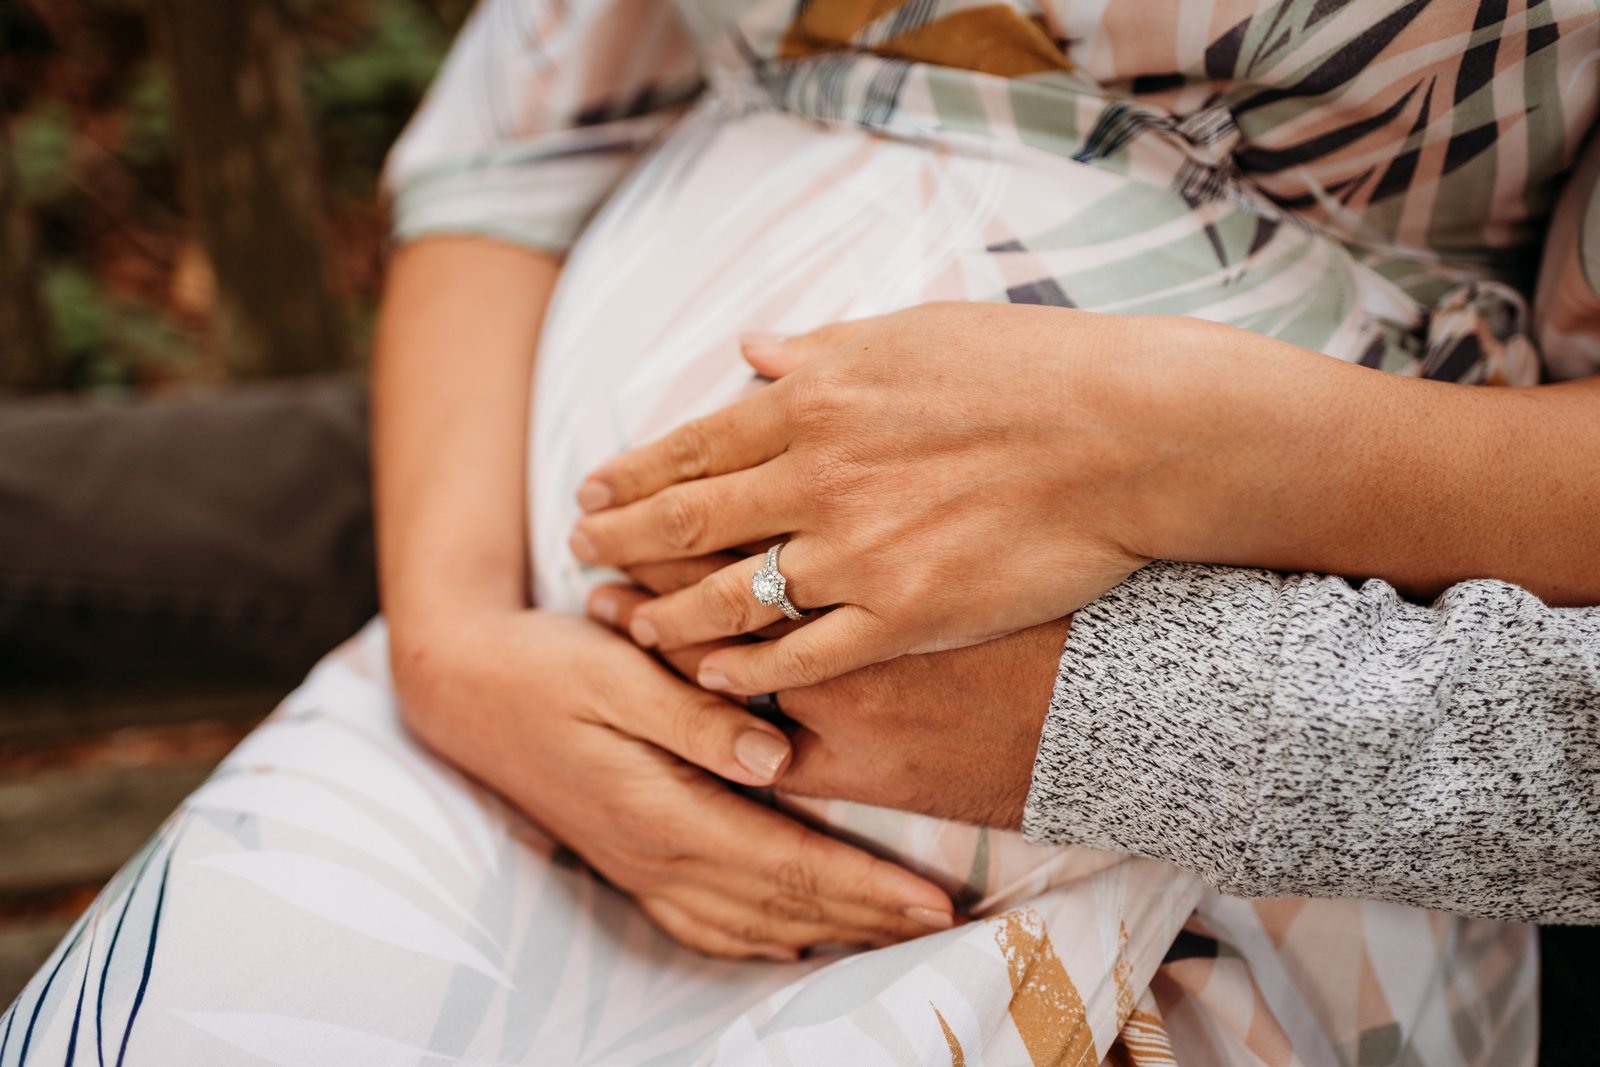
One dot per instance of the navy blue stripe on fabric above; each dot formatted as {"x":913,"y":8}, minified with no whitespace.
{"x":83,"y":987}
{"x":105,"y":967}
{"x":149,"y":954}
{"x":38,"y":1005}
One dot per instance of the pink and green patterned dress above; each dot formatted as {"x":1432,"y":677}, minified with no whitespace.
{"x":1369,"y":179}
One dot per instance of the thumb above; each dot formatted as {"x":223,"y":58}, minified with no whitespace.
{"x":773,"y":355}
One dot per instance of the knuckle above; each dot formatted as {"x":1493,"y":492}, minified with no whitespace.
{"x":731,"y":602}
{"x":835,"y":472}
{"x":806,"y":665}
{"x":844,"y":488}
{"x":820,"y":397}
{"x":793,"y":908}
{"x":796,"y":877}
{"x":687,"y":450}
{"x":682,"y":522}
{"x":694,"y":730}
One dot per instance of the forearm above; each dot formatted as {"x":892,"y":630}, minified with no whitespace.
{"x":452,"y":377}
{"x":1283,"y":458}
{"x":1301,"y":737}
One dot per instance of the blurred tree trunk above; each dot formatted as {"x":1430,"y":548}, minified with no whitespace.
{"x":251,"y":177}
{"x":27,"y":350}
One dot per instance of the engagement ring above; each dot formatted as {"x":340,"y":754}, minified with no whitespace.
{"x":768,"y":584}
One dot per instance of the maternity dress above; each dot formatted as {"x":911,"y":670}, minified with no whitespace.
{"x":1365,"y":179}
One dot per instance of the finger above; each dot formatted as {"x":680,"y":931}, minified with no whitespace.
{"x":743,"y":434}
{"x":774,"y":355}
{"x":755,"y":850}
{"x":685,"y":662}
{"x":853,"y":922}
{"x":837,"y":643}
{"x":700,"y":727}
{"x":668,"y":576}
{"x":816,"y":770}
{"x":614,"y":605}
{"x":773,"y":917}
{"x":703,"y":937}
{"x":692,"y":519}
{"x":723,"y":604}
{"x":808,"y":864}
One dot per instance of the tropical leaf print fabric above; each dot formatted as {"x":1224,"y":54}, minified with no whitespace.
{"x":335,"y":897}
{"x":1316,"y":171}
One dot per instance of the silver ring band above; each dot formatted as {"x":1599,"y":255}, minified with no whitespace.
{"x":768,"y":585}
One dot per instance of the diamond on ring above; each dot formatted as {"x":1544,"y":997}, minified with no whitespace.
{"x":768,"y":585}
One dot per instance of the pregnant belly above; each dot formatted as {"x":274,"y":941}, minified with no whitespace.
{"x":762,"y":221}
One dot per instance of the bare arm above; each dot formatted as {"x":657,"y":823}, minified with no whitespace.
{"x":1290,"y":460}
{"x":541,"y":706}
{"x":451,"y":380}
{"x":954,"y":472}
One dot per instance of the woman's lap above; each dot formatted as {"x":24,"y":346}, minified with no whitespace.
{"x":336,"y":895}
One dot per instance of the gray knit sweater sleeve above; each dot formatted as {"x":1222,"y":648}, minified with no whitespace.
{"x":1302,"y":736}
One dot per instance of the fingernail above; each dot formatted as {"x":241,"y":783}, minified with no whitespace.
{"x":644,"y":635}
{"x":939,"y":920}
{"x":760,"y":753}
{"x":711,"y":678}
{"x":604,"y":609}
{"x":582,"y":547}
{"x":761,"y":342}
{"x":593,"y":495}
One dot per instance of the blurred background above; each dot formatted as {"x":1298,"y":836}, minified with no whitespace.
{"x":187,"y":203}
{"x":176,"y":173}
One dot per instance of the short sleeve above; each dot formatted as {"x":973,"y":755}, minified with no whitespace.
{"x":539,"y":110}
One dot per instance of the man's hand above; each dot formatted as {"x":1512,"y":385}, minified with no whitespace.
{"x":951,"y":734}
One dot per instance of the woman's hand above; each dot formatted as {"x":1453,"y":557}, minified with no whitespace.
{"x":951,"y":734}
{"x":947,"y":475}
{"x":584,"y":733}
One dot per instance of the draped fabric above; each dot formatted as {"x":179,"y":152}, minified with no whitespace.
{"x":1370,"y":180}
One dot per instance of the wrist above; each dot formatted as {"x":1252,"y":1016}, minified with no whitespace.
{"x":1180,"y":402}
{"x":429,"y":651}
{"x":432,"y":568}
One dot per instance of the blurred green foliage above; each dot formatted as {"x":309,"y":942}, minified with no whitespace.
{"x":148,"y":132}
{"x":361,"y":93}
{"x":86,"y":101}
{"x":43,"y":139}
{"x":107,"y":341}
